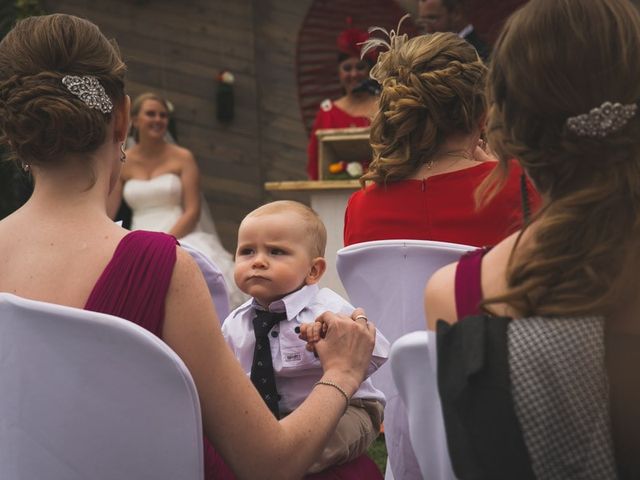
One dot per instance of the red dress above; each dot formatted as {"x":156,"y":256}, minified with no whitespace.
{"x":441,"y":208}
{"x":134,"y":286}
{"x":329,"y":116}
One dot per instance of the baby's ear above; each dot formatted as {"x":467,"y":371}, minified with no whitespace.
{"x":318,"y":267}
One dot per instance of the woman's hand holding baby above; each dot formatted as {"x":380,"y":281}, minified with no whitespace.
{"x":344,"y":345}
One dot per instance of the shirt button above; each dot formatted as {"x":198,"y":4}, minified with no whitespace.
{"x":274,"y":334}
{"x":297,"y":329}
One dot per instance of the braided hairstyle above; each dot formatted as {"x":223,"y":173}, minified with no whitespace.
{"x":432,"y":87}
{"x":41,"y":121}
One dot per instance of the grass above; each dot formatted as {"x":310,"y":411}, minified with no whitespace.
{"x":378,"y":453}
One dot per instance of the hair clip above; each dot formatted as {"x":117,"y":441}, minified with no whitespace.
{"x":394,"y":42}
{"x":88,"y":89}
{"x":603,"y":120}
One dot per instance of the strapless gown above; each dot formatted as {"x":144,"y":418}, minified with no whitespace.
{"x":157,"y":204}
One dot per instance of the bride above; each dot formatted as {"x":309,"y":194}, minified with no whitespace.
{"x":160,"y":182}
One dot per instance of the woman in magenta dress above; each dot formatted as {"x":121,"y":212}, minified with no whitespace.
{"x":554,"y":308}
{"x":427,"y":163}
{"x":357,"y":106}
{"x":64,"y":118}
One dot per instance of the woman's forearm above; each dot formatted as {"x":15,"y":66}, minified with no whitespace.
{"x":184,"y":225}
{"x":296,"y":441}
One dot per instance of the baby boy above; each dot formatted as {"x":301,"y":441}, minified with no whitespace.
{"x":279,"y":262}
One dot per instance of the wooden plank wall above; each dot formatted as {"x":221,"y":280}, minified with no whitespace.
{"x":283,"y":139}
{"x":178,"y":48}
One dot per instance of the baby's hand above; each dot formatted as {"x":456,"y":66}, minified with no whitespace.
{"x":312,"y":333}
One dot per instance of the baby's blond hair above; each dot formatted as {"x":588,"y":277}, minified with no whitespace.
{"x":312,"y":223}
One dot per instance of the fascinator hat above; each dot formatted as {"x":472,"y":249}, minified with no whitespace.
{"x":350,"y":42}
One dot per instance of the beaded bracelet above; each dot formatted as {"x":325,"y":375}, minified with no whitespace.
{"x":337,"y":387}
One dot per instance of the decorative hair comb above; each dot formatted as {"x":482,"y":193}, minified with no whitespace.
{"x":395,"y":40}
{"x":88,"y":89}
{"x":603,"y":120}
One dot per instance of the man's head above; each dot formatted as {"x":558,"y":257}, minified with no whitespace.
{"x":442,"y":15}
{"x":280,"y":249}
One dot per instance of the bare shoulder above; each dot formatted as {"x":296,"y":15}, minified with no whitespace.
{"x":185,"y":273}
{"x":439,"y":297}
{"x":183,"y":159}
{"x":184,"y":155}
{"x":189,"y":309}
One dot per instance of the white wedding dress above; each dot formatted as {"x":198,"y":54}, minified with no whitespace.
{"x":157,"y":204}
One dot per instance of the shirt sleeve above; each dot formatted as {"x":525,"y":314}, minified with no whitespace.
{"x":230,"y":330}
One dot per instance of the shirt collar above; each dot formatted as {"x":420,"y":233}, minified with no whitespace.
{"x":465,"y":31}
{"x":293,"y":303}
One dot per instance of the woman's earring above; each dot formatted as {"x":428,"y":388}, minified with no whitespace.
{"x":25,"y":167}
{"x":123,"y":155}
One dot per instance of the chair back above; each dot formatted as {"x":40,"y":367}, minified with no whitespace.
{"x":387,"y":278}
{"x":414,"y":368}
{"x":214,"y":278}
{"x":88,"y":395}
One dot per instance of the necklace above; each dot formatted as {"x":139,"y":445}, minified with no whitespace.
{"x":459,"y":155}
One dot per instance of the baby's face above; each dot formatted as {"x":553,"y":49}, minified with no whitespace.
{"x":273,"y":257}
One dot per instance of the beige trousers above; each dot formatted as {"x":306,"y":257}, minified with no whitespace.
{"x":355,"y":432}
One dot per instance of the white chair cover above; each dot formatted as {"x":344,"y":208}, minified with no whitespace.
{"x":414,"y":367}
{"x":214,"y":278}
{"x":85,"y":395}
{"x":387,"y":278}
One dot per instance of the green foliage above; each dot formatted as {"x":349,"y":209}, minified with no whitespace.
{"x":378,"y":453}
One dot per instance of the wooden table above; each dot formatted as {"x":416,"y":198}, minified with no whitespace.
{"x":329,"y":200}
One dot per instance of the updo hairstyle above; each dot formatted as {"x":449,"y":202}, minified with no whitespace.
{"x":432,"y":87}
{"x":557,"y":59}
{"x":41,"y":121}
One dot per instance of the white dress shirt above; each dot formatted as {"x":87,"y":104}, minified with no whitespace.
{"x":296,"y":369}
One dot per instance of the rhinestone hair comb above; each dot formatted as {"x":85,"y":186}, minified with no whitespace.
{"x":88,"y":89}
{"x":603,"y":120}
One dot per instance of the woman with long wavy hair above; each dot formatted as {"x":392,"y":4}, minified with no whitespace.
{"x":563,"y":399}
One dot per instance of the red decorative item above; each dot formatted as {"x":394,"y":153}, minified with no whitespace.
{"x":350,"y":41}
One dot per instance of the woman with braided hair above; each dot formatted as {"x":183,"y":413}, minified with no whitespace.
{"x":426,"y":163}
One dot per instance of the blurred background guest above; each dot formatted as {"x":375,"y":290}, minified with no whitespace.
{"x":358,"y":105}
{"x":160,"y":182}
{"x":450,"y":16}
{"x":427,"y":163}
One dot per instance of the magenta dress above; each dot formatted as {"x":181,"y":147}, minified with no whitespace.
{"x":468,"y":283}
{"x":135,"y":282}
{"x":134,"y":286}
